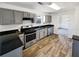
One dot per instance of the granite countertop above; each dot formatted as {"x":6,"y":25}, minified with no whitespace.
{"x":18,"y":26}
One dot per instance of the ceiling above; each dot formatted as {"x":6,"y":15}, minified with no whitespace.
{"x":44,"y":8}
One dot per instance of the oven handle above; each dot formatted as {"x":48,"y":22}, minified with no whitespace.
{"x":30,"y":34}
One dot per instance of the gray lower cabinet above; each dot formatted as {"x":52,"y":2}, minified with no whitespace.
{"x":42,"y":31}
{"x":14,"y":53}
{"x":45,"y":34}
{"x":75,"y":46}
{"x":18,"y":17}
{"x":6,"y":17}
{"x":50,"y":30}
{"x":37,"y":35}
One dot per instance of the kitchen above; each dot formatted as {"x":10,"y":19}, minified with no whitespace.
{"x":27,"y":31}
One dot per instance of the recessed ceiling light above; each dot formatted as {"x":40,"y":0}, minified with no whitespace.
{"x":54,"y":6}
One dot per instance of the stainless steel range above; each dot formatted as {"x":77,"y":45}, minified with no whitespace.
{"x":29,"y":35}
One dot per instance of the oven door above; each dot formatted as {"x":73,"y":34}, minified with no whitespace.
{"x":30,"y":37}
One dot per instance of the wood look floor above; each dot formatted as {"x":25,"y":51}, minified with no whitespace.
{"x":51,"y":46}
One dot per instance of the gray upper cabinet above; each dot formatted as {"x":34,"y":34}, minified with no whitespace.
{"x":6,"y":17}
{"x":32,"y":15}
{"x":0,"y":16}
{"x":26,"y":14}
{"x":18,"y":17}
{"x":48,"y":19}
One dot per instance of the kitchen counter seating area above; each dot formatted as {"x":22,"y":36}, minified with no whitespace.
{"x":18,"y":40}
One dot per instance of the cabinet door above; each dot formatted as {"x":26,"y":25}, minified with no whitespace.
{"x":7,"y":17}
{"x":42,"y":33}
{"x":32,"y":15}
{"x":38,"y":34}
{"x":50,"y":30}
{"x":48,"y":19}
{"x":75,"y":48}
{"x":0,"y":16}
{"x":45,"y":31}
{"x":18,"y":17}
{"x":26,"y":14}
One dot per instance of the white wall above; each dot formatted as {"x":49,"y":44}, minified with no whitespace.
{"x":76,"y":21}
{"x":57,"y":18}
{"x":56,"y":22}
